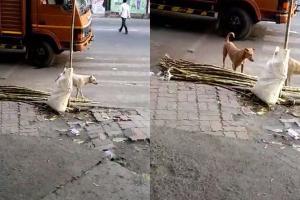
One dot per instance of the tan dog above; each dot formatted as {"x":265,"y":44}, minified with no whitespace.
{"x":237,"y":56}
{"x":81,"y":80}
{"x":293,"y":68}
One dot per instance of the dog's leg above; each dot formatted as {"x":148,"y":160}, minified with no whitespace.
{"x":81,"y":93}
{"x":288,"y":80}
{"x":77,"y":92}
{"x":224,"y":55}
{"x":242,"y":67}
{"x":234,"y":67}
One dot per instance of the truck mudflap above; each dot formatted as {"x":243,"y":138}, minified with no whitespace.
{"x":79,"y":46}
{"x":161,"y":7}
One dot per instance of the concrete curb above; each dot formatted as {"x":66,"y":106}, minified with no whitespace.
{"x":116,"y":15}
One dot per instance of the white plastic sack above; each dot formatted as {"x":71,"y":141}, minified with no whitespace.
{"x":59,"y":99}
{"x":271,"y":82}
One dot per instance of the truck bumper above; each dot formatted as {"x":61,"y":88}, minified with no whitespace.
{"x":79,"y":46}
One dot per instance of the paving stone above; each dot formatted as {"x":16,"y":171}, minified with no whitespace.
{"x":189,"y":128}
{"x":144,"y":113}
{"x":112,"y":129}
{"x":215,"y":133}
{"x":171,"y":123}
{"x":168,"y":112}
{"x":152,"y":105}
{"x":216,"y":126}
{"x":133,"y":112}
{"x":101,"y":116}
{"x":229,"y":123}
{"x":187,"y":106}
{"x":136,"y":117}
{"x":205,"y":126}
{"x":235,"y":128}
{"x":182,"y":116}
{"x":227,"y":116}
{"x":146,"y":131}
{"x":229,"y":134}
{"x":162,"y":106}
{"x":29,"y":132}
{"x":207,"y":97}
{"x":193,"y":116}
{"x":167,"y":94}
{"x":103,"y":144}
{"x":209,"y":117}
{"x":165,"y":116}
{"x":242,"y":135}
{"x":135,"y":134}
{"x":126,"y":124}
{"x":213,"y":107}
{"x":209,"y":113}
{"x":139,"y":124}
{"x":158,"y":122}
{"x":192,"y":98}
{"x":165,"y":99}
{"x":188,"y":123}
{"x":95,"y":131}
{"x":203,"y":106}
{"x":10,"y":130}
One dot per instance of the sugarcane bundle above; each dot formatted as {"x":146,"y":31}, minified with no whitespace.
{"x":184,"y":70}
{"x":27,"y":95}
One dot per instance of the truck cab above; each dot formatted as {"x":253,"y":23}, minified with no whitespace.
{"x":43,"y":27}
{"x":236,"y":16}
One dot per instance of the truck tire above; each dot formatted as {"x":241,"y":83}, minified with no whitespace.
{"x":41,"y":54}
{"x":236,"y":20}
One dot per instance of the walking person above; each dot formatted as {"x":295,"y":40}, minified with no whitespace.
{"x":124,"y":13}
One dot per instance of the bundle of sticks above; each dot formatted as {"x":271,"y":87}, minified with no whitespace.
{"x":213,"y":75}
{"x":27,"y":95}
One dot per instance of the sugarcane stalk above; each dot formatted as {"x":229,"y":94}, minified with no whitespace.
{"x":184,"y":70}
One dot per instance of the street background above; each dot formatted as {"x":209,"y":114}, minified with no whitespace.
{"x":119,"y":62}
{"x":101,"y":153}
{"x":207,"y":142}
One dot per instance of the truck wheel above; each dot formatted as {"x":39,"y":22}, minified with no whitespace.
{"x":41,"y":54}
{"x":236,"y":20}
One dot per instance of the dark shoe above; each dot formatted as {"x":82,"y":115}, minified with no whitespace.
{"x":120,"y":30}
{"x":126,"y":32}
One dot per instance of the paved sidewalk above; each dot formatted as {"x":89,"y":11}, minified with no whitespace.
{"x":37,"y":143}
{"x":98,"y":124}
{"x":195,"y":107}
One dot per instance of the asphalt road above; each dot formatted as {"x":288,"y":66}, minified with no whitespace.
{"x":120,"y":63}
{"x":195,"y":166}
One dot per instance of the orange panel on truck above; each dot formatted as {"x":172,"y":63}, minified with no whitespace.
{"x":12,"y":19}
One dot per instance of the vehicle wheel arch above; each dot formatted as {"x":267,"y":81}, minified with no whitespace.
{"x":247,"y":5}
{"x":46,"y":38}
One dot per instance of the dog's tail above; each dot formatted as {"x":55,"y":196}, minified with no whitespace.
{"x":228,"y":36}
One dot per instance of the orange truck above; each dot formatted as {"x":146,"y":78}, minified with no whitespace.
{"x":42,"y":27}
{"x":237,"y":16}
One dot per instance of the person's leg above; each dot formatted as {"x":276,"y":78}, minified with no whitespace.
{"x":120,"y":29}
{"x":126,"y":30}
